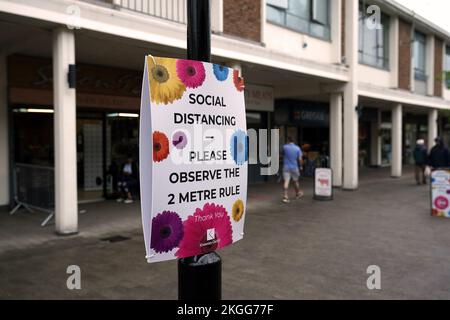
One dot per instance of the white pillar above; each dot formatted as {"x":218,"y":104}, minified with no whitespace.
{"x":430,"y":64}
{"x":350,"y":157}
{"x":336,"y":30}
{"x":432,"y":127}
{"x":4,"y":135}
{"x":336,"y":138}
{"x":217,"y":16}
{"x":397,"y":130}
{"x":394,"y":50}
{"x":66,"y":206}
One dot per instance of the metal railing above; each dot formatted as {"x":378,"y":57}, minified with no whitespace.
{"x":34,"y":188}
{"x":172,"y":10}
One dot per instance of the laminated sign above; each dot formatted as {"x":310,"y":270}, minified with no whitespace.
{"x":193,"y":157}
{"x":440,"y":193}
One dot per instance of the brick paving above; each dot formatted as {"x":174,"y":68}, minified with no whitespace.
{"x":303,"y":250}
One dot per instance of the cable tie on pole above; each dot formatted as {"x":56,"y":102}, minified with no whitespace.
{"x":153,"y":58}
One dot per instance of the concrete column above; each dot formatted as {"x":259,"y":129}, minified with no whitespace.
{"x":397,"y":130}
{"x":66,"y":202}
{"x":432,"y":127}
{"x":4,"y":135}
{"x":350,"y":156}
{"x":394,"y":39}
{"x":263,"y":21}
{"x":336,"y":138}
{"x":430,"y":64}
{"x":217,"y":16}
{"x":336,"y":29}
{"x":375,"y":141}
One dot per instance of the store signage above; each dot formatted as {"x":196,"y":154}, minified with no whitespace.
{"x":323,"y":184}
{"x":37,"y":73}
{"x":31,"y":82}
{"x":193,"y":158}
{"x":310,"y":114}
{"x":440,"y":193}
{"x":259,"y":98}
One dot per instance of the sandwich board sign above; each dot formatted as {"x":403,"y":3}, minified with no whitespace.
{"x":323,"y":184}
{"x":193,"y":157}
{"x":440,"y":193}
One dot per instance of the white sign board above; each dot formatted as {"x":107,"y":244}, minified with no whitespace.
{"x":193,"y":158}
{"x":440,"y":193}
{"x":259,"y":98}
{"x":323,"y":184}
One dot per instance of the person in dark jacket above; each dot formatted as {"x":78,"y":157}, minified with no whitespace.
{"x":439,"y":156}
{"x":128,"y":179}
{"x":420,"y":158}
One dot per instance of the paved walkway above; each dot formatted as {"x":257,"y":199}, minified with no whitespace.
{"x":303,"y":250}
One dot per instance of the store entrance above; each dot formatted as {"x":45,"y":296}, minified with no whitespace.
{"x":256,"y":121}
{"x":122,"y":142}
{"x":104,"y":142}
{"x":90,"y":156}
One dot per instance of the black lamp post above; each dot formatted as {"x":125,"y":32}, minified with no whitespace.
{"x":199,"y":277}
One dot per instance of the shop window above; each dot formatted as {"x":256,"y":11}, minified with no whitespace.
{"x":373,"y":46}
{"x":420,"y":44}
{"x":306,"y":16}
{"x":33,"y":138}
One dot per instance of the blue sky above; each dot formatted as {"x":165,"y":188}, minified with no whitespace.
{"x":436,"y":11}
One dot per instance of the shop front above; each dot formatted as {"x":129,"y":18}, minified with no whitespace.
{"x":259,"y":103}
{"x":307,"y":123}
{"x":415,"y":128}
{"x":107,"y":121}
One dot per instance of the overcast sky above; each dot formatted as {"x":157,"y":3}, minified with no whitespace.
{"x":436,"y":11}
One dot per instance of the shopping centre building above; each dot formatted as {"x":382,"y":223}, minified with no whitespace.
{"x":339,"y":76}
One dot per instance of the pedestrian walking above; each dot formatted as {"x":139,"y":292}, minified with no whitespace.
{"x":439,"y":156}
{"x":420,"y":154}
{"x":292,"y":158}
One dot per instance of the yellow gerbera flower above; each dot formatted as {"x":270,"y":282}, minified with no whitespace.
{"x":165,"y":86}
{"x":238,"y":210}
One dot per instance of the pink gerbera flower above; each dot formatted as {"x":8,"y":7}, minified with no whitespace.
{"x":208,"y":229}
{"x":191,"y":73}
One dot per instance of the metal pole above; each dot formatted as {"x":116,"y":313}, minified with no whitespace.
{"x":198,"y":30}
{"x":199,"y":277}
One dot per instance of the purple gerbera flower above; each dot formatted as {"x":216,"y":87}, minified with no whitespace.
{"x":167,"y":231}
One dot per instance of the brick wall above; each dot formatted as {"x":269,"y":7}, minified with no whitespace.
{"x":404,"y":59}
{"x":438,"y":67}
{"x":242,"y":18}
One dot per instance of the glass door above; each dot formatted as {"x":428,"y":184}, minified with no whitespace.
{"x":90,"y":140}
{"x":122,"y":142}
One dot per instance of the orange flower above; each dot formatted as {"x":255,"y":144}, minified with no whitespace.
{"x":238,"y":81}
{"x":160,"y":146}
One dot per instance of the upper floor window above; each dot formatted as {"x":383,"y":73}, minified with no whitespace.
{"x":373,"y":46}
{"x":420,"y":56}
{"x":447,"y":67}
{"x":307,"y":16}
